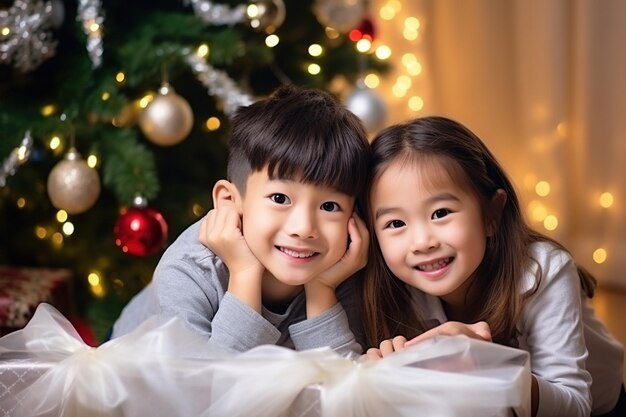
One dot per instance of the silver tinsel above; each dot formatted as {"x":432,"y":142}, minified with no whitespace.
{"x":90,"y":14}
{"x":218,"y":14}
{"x":219,"y":84}
{"x":24,"y":37}
{"x":17,"y":157}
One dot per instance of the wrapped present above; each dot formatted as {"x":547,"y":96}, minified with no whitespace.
{"x":163,"y":369}
{"x":22,"y":289}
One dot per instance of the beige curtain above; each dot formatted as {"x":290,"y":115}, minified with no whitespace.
{"x":543,"y":83}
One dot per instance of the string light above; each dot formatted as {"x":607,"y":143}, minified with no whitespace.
{"x":551,"y":222}
{"x":272,"y":40}
{"x":55,"y":143}
{"x":599,"y":255}
{"x":314,"y":69}
{"x":57,"y":240}
{"x":542,"y":188}
{"x":203,"y":50}
{"x":213,"y":123}
{"x":48,"y":110}
{"x":61,"y":216}
{"x":41,"y":232}
{"x":606,"y":200}
{"x":371,"y":80}
{"x":92,"y":161}
{"x":120,"y":77}
{"x":315,"y":50}
{"x":68,"y":228}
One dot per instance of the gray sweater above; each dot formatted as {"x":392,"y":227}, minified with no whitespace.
{"x":190,"y":282}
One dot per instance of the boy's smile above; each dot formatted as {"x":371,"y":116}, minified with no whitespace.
{"x":295,"y":230}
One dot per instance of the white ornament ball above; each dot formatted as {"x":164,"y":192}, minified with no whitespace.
{"x":73,"y":186}
{"x":369,"y":107}
{"x":168,"y":119}
{"x":341,"y":15}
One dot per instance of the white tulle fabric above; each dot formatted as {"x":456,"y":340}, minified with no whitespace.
{"x":162,"y":370}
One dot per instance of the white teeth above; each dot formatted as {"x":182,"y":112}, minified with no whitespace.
{"x":435,"y":265}
{"x":296,"y":254}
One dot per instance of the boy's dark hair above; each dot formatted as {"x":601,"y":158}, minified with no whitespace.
{"x":299,"y":133}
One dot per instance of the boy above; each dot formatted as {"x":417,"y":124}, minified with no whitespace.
{"x":264,"y":266}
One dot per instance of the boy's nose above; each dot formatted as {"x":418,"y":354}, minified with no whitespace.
{"x":302,"y":223}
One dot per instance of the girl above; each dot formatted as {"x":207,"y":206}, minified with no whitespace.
{"x":450,"y":246}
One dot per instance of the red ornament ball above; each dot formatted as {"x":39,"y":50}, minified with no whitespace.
{"x":140,"y":231}
{"x":365,"y":30}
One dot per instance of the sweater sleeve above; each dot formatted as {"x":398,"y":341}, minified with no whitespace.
{"x":190,"y":282}
{"x":332,"y":328}
{"x":553,"y":331}
{"x":239,"y":327}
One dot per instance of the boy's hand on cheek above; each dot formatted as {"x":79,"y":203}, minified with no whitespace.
{"x":320,"y":292}
{"x":221,"y":232}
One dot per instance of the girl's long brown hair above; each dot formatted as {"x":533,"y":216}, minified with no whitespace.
{"x":494,"y":293}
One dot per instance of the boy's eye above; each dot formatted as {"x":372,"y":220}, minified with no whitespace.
{"x":395,"y":224}
{"x":438,"y":214}
{"x":330,"y":206}
{"x":279,"y":198}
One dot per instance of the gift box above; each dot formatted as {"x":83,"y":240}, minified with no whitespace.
{"x":163,"y":369}
{"x":22,"y":289}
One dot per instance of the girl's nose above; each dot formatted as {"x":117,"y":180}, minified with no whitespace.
{"x":423,"y":240}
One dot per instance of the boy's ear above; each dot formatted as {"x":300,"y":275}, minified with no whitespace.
{"x":498,"y":201}
{"x":225,"y":192}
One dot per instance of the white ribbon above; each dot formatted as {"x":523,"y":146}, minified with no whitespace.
{"x":164,"y":369}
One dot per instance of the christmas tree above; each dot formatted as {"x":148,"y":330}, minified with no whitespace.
{"x":116,"y":113}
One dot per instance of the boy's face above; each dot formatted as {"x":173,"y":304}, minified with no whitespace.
{"x":295,"y":230}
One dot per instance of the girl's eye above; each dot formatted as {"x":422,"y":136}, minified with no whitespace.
{"x":438,"y":214}
{"x":330,"y":206}
{"x":395,"y":224}
{"x":279,"y":198}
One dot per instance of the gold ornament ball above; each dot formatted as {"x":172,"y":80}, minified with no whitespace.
{"x":72,"y":185}
{"x":168,"y":119}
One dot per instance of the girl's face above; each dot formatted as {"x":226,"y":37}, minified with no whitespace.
{"x":430,"y":228}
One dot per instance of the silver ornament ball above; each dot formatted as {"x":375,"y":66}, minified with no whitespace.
{"x":168,"y":119}
{"x":266,"y":14}
{"x":72,"y":185}
{"x":369,"y":107}
{"x":341,"y":15}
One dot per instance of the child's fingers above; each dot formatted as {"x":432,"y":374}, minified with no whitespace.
{"x":359,"y":241}
{"x":373,"y":354}
{"x":386,"y":347}
{"x":398,"y":343}
{"x":481,"y":329}
{"x":478,"y":330}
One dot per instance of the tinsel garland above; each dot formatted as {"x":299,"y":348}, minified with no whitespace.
{"x":90,"y":15}
{"x":16,"y":158}
{"x":219,"y":84}
{"x":218,"y":14}
{"x":25,"y":40}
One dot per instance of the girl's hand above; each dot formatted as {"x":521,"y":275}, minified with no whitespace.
{"x":479,"y":330}
{"x":387,"y":347}
{"x":320,"y":292}
{"x":221,"y":232}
